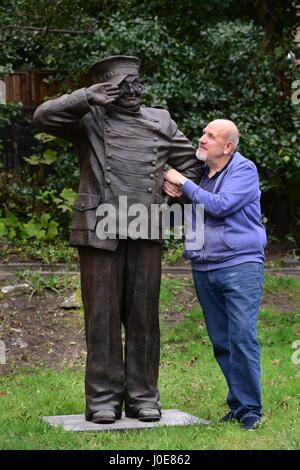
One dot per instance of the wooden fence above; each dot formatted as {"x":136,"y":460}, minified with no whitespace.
{"x":31,"y":87}
{"x":28,"y":87}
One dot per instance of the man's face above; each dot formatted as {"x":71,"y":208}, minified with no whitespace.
{"x":130,"y":93}
{"x":213,"y":143}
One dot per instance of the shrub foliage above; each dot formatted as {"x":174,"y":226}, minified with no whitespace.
{"x":201,"y":60}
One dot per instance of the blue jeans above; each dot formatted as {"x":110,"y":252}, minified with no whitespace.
{"x":230,"y":299}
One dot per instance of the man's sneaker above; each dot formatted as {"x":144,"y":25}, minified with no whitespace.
{"x":250,"y":423}
{"x":228,"y":417}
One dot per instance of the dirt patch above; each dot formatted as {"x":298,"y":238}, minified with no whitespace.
{"x":39,"y":332}
{"x":184,"y":299}
{"x":281,"y":302}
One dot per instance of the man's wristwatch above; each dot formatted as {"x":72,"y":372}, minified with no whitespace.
{"x":182,"y":181}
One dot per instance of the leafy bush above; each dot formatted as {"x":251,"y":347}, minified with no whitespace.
{"x":199,"y":67}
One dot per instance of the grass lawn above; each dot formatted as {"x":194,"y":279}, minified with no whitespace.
{"x":190,"y":380}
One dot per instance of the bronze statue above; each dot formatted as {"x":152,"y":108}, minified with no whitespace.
{"x":122,"y":148}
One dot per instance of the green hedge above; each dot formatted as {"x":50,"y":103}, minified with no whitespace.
{"x":222,"y":72}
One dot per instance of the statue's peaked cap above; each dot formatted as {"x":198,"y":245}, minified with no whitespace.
{"x":115,"y":68}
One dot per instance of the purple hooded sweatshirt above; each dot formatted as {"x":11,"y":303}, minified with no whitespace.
{"x":233,"y":232}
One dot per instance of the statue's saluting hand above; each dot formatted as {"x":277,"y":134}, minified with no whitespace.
{"x":102,"y":94}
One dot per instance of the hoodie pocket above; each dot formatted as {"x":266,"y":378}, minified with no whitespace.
{"x":227,"y":241}
{"x":216,"y":247}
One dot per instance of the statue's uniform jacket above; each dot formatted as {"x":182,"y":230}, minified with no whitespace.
{"x":120,"y":153}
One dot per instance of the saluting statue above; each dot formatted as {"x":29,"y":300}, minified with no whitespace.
{"x":122,"y":149}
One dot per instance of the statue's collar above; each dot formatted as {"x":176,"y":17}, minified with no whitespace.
{"x":116,"y":109}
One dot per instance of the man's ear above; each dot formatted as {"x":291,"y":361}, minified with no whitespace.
{"x":228,"y":148}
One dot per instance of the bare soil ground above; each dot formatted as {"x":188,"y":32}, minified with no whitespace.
{"x":38,"y":333}
{"x":282,"y":303}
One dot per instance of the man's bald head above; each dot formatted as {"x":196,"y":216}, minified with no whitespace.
{"x":218,"y":142}
{"x":229,"y":130}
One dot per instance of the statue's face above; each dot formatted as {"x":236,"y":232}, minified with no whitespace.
{"x":130,"y":93}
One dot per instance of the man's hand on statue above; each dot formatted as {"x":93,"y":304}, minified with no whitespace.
{"x":172,"y":189}
{"x":173,"y":176}
{"x":102,"y":94}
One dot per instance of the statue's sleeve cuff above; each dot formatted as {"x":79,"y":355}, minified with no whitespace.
{"x":79,"y":102}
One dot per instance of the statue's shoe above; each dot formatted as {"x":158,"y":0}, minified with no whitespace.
{"x":149,"y":414}
{"x":104,"y":417}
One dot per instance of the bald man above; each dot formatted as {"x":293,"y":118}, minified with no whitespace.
{"x":228,"y":268}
